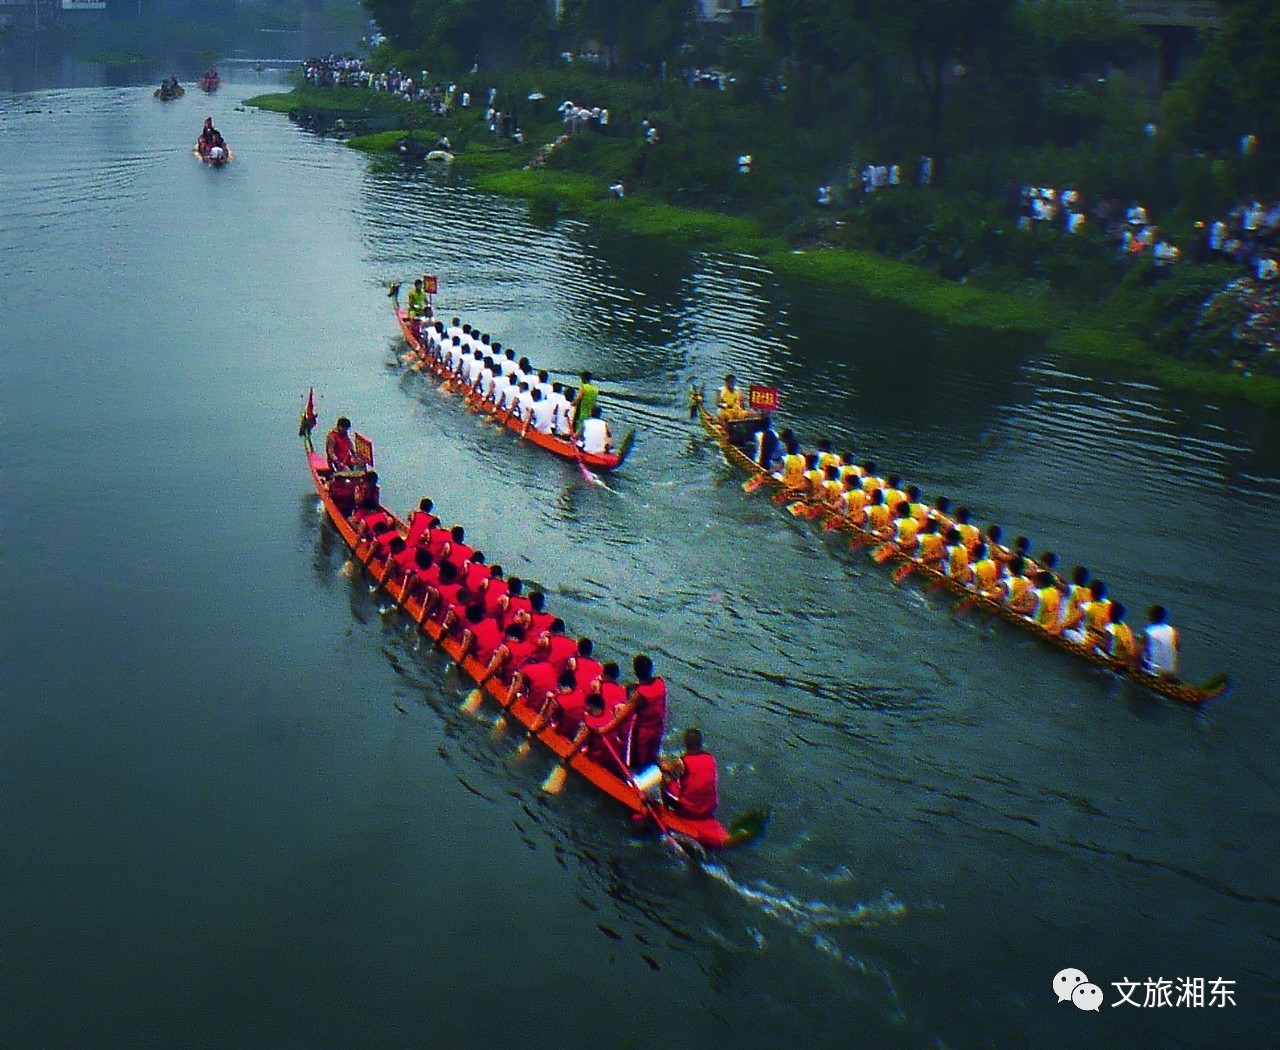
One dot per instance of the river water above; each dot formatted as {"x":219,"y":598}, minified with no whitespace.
{"x":241,"y":808}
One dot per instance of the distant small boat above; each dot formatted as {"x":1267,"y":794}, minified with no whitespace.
{"x":210,"y":82}
{"x":169,"y":90}
{"x":211,"y":156}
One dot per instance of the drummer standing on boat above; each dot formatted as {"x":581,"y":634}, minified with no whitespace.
{"x":585,"y":403}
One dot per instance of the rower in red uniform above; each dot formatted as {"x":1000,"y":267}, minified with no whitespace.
{"x":514,"y":604}
{"x":648,"y":703}
{"x":476,"y":574}
{"x":540,"y":621}
{"x":560,"y":647}
{"x":690,"y":782}
{"x":585,"y":669}
{"x":599,"y":735}
{"x":494,"y":591}
{"x":511,"y":655}
{"x":339,"y":448}
{"x":536,"y":680}
{"x":420,"y":522}
{"x":426,"y":575}
{"x":457,"y":550}
{"x":480,"y":636}
{"x":570,"y":703}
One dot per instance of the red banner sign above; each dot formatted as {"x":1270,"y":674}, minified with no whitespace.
{"x":763,"y":398}
{"x":430,"y":285}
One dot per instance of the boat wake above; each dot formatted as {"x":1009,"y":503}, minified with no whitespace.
{"x":818,"y":922}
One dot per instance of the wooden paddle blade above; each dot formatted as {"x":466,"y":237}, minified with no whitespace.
{"x":526,"y":747}
{"x":555,"y":782}
{"x":499,"y":730}
{"x":903,"y":571}
{"x":798,"y":510}
{"x":883,"y":553}
{"x":752,"y":484}
{"x":782,"y":497}
{"x":814,"y":511}
{"x":473,"y":702}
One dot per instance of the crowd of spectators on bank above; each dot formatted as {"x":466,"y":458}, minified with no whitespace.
{"x":1248,"y":234}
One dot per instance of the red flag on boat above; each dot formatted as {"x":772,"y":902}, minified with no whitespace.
{"x":430,"y":284}
{"x":763,"y":398}
{"x":308,"y":421}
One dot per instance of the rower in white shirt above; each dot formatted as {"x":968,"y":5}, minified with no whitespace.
{"x":509,"y":366}
{"x":498,"y":390}
{"x":454,"y":331}
{"x":453,"y":355}
{"x":485,"y":386}
{"x":524,"y":402}
{"x":562,"y":411}
{"x":541,"y":415}
{"x":544,"y":384}
{"x":595,"y":434}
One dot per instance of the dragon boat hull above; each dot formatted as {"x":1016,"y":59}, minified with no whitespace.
{"x":710,"y":834}
{"x":1173,"y":688}
{"x":556,"y":445}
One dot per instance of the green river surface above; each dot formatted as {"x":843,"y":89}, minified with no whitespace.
{"x":240,"y":808}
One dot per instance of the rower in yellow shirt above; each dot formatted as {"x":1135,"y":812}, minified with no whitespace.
{"x":1018,"y":594}
{"x":970,"y":534}
{"x":879,"y":522}
{"x":1097,"y":615}
{"x":955,"y":562}
{"x":906,"y":528}
{"x":833,"y":490}
{"x":792,"y":474}
{"x":986,"y":572}
{"x":1121,"y":645}
{"x":1077,"y":598}
{"x":1048,"y":612}
{"x":931,"y":548}
{"x":855,"y":501}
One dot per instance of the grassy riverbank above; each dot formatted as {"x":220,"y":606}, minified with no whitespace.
{"x":671,"y":196}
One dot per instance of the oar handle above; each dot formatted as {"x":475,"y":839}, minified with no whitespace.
{"x":645,"y":800}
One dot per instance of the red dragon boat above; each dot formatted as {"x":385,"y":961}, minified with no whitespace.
{"x":708,"y":833}
{"x":557,"y":445}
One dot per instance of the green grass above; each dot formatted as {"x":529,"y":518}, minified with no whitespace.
{"x":500,"y":169}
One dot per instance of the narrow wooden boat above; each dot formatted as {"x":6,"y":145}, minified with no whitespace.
{"x":209,"y":83}
{"x":169,"y":94}
{"x":557,"y":445}
{"x":1173,"y":688}
{"x":706,"y":833}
